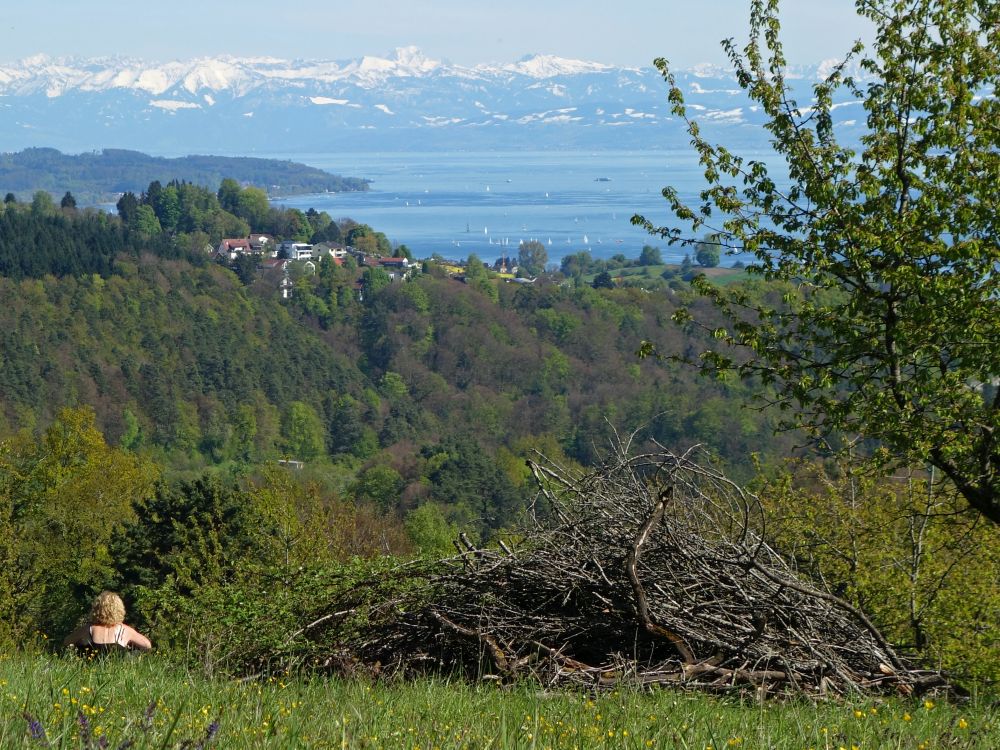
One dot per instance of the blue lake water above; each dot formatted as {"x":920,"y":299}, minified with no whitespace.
{"x":459,"y":203}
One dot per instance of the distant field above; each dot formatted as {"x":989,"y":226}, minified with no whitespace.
{"x":68,"y":703}
{"x":718,"y":275}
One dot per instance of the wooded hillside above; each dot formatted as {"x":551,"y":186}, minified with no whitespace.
{"x":103,"y":175}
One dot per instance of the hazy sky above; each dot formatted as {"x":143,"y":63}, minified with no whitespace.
{"x":625,"y":32}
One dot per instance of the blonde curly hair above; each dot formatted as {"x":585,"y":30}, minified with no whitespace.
{"x":107,"y":609}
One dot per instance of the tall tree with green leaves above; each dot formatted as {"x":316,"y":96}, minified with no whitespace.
{"x":707,"y":253}
{"x":62,"y":496}
{"x":532,"y":257}
{"x":650,"y":256}
{"x":889,"y":326}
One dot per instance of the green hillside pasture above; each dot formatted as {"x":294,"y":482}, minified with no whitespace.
{"x":718,"y":275}
{"x":147,"y":703}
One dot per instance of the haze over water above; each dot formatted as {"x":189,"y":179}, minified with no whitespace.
{"x":486,"y":203}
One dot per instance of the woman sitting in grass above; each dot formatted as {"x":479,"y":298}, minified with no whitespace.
{"x":107,"y":630}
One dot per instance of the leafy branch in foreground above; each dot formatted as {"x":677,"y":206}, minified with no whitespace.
{"x":889,"y":326}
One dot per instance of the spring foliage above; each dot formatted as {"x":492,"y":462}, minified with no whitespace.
{"x":889,"y":325}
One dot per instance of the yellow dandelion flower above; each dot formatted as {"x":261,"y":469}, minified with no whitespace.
{"x":907,"y":717}
{"x":858,"y":714}
{"x":928,"y":704}
{"x":962,"y":723}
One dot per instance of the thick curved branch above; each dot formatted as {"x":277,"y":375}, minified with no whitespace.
{"x":640,"y":596}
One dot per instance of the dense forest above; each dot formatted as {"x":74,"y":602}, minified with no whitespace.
{"x":142,"y":381}
{"x":175,"y":220}
{"x":103,"y":175}
{"x":180,"y":358}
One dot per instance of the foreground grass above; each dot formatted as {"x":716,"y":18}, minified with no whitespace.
{"x":149,"y":703}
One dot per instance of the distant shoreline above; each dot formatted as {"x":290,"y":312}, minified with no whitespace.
{"x":100,"y":177}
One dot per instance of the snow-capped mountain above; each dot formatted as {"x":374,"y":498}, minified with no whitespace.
{"x":406,"y":100}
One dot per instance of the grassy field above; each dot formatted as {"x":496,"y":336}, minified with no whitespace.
{"x":149,"y":703}
{"x":721,"y":276}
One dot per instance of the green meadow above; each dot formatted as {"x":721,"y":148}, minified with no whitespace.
{"x":147,"y":702}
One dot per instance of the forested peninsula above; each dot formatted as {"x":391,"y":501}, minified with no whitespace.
{"x":101,"y":176}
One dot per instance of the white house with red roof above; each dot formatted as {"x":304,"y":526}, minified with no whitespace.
{"x":231,"y":248}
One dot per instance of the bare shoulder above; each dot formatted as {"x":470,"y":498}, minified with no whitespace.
{"x":136,"y":639}
{"x":79,"y":636}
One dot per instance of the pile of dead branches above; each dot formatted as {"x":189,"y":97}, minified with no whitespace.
{"x":650,"y":570}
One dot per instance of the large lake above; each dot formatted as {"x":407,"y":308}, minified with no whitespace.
{"x":486,"y":203}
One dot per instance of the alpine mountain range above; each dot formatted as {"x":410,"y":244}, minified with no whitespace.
{"x":406,"y":101}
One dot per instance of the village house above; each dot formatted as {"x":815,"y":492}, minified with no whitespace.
{"x":262,"y":244}
{"x":271,"y":264}
{"x":329,"y":250}
{"x":295,"y":250}
{"x":397,"y":268}
{"x":401,"y":263}
{"x":230,"y":249}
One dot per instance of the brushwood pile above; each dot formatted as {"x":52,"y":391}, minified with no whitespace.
{"x":649,"y":570}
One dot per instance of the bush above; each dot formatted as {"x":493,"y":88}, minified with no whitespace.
{"x":898,"y":549}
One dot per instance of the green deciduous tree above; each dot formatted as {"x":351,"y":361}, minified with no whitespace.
{"x":303,"y":431}
{"x":374,"y":279}
{"x":603,"y":280}
{"x":708,"y":253}
{"x":430,"y":530}
{"x":381,"y":485}
{"x":62,"y":495}
{"x":650,"y":256}
{"x":229,"y":195}
{"x":168,"y":208}
{"x":252,"y":206}
{"x":532,"y":257}
{"x":889,"y":249}
{"x":42,"y":203}
{"x":145,"y":222}
{"x":896,"y":548}
{"x":577,"y":264}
